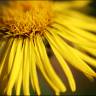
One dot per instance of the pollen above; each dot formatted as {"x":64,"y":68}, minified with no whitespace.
{"x":26,"y":17}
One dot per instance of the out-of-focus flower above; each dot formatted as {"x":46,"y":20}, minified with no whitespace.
{"x":25,"y":26}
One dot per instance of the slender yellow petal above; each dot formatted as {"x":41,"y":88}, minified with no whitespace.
{"x":12,"y":55}
{"x":48,"y":66}
{"x":89,"y":47}
{"x":65,"y":67}
{"x":19,"y":79}
{"x":88,"y":59}
{"x":85,"y":57}
{"x":71,"y":37}
{"x":34,"y":76}
{"x":77,"y":60}
{"x":79,"y":3}
{"x":19,"y":82}
{"x":61,"y":6}
{"x":32,"y":60}
{"x":5,"y":54}
{"x":84,"y":17}
{"x":40,"y":65}
{"x":92,"y":51}
{"x":89,"y":77}
{"x":72,"y":58}
{"x":67,"y":20}
{"x":26,"y":68}
{"x":16,"y":66}
{"x":85,"y":34}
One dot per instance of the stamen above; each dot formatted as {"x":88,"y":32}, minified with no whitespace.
{"x":27,"y":17}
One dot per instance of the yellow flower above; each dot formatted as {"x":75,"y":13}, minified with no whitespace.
{"x":25,"y":26}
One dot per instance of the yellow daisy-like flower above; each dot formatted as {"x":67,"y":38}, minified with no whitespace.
{"x":25,"y":27}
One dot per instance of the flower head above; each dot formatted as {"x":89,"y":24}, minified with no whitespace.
{"x":27,"y":18}
{"x":25,"y":26}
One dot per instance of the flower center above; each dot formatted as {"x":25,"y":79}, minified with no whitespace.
{"x":27,"y":17}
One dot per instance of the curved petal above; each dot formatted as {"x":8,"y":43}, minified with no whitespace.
{"x":16,"y":66}
{"x":26,"y":68}
{"x":72,"y":58}
{"x":33,"y":71}
{"x":65,"y":68}
{"x":48,"y":66}
{"x":42,"y":69}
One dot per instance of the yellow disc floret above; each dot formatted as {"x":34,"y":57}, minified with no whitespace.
{"x":26,"y":17}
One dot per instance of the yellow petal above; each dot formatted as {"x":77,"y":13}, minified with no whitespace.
{"x":72,"y":58}
{"x":12,"y":55}
{"x":85,"y":34}
{"x":86,"y":58}
{"x":5,"y":56}
{"x":82,"y":22}
{"x":43,"y":71}
{"x":16,"y":66}
{"x":68,"y":35}
{"x":19,"y":81}
{"x":65,"y":68}
{"x":48,"y":66}
{"x":26,"y":68}
{"x":33,"y":71}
